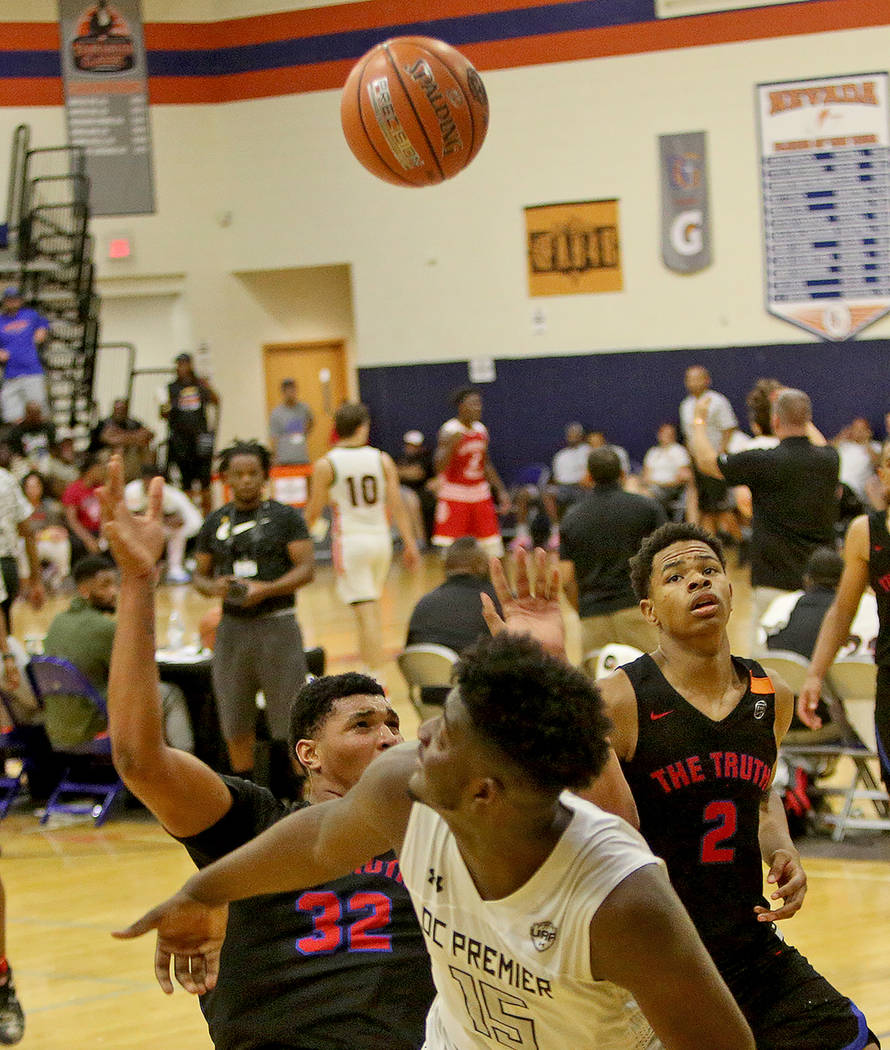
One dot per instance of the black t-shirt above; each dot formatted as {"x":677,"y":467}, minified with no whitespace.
{"x":599,"y":535}
{"x":800,"y":633}
{"x":698,"y":784}
{"x":188,"y":407}
{"x":879,"y":578}
{"x":252,"y":544}
{"x":451,"y":614}
{"x":341,"y":966}
{"x":421,"y":458}
{"x":794,"y":492}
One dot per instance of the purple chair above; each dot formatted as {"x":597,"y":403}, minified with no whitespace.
{"x":52,"y":676}
{"x":11,"y":746}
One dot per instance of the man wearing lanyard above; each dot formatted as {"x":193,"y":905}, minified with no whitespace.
{"x":255,"y":554}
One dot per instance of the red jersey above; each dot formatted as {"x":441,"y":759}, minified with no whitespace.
{"x":464,"y":477}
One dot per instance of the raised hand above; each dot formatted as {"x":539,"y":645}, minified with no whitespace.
{"x":136,"y":542}
{"x":534,"y":609}
{"x":190,"y":934}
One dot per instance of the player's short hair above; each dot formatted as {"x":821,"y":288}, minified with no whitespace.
{"x":824,"y":567}
{"x":603,"y":465}
{"x":245,"y":448}
{"x":462,"y":393}
{"x":760,"y":404}
{"x":315,"y":701}
{"x":545,"y":716}
{"x":89,"y":566}
{"x":348,"y":418}
{"x":466,"y":554}
{"x":792,"y":408}
{"x":664,"y":536}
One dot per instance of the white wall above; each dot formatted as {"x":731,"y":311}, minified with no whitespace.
{"x":439,"y":274}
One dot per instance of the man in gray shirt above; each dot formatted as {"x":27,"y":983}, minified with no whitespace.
{"x":290,"y":424}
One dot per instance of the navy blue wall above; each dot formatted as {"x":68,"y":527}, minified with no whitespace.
{"x":624,"y":394}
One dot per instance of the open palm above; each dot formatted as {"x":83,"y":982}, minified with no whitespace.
{"x":534,"y":608}
{"x":136,"y":542}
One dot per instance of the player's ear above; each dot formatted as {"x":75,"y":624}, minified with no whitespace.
{"x":648,"y":612}
{"x":307,"y":755}
{"x":485,"y":790}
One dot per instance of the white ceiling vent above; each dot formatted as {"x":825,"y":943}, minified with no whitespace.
{"x":681,"y":8}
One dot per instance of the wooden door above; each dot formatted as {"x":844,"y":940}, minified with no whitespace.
{"x":320,"y":373}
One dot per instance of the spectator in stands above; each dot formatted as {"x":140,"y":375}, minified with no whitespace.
{"x":50,"y":531}
{"x":190,"y":439}
{"x":23,"y":332}
{"x":714,"y":505}
{"x":14,"y":513}
{"x":83,"y":634}
{"x":417,"y":480}
{"x":794,"y":492}
{"x":564,"y":488}
{"x":182,"y":520}
{"x":859,"y":454}
{"x":81,"y":502}
{"x":598,"y":439}
{"x":667,"y":471}
{"x":290,"y":425}
{"x":60,"y":468}
{"x":121,"y":433}
{"x":33,"y":438}
{"x":597,"y":537}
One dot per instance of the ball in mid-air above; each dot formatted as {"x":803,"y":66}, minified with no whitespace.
{"x":414,"y":111}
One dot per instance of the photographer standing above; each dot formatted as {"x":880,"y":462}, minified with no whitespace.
{"x":255,"y":554}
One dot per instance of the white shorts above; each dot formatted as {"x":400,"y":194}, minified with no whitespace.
{"x":17,"y":392}
{"x":361,"y":562}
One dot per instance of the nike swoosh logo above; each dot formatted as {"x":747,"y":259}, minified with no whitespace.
{"x":661,"y":714}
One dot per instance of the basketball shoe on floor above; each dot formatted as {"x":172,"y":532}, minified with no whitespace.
{"x":12,"y":1017}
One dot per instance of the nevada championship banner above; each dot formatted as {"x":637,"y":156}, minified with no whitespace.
{"x":573,"y":249}
{"x":106,"y":101}
{"x":685,"y":222}
{"x":825,"y":166}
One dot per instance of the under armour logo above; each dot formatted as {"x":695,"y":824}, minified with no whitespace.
{"x":435,"y":880}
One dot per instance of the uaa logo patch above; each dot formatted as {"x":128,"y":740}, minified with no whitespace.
{"x":543,"y":935}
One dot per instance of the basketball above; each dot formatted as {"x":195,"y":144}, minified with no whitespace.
{"x":414,"y":111}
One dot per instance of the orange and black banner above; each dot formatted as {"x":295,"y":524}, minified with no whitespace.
{"x":106,"y":101}
{"x":573,"y":249}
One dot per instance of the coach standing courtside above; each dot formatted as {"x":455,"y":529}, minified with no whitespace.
{"x":254,"y":553}
{"x":793,"y":489}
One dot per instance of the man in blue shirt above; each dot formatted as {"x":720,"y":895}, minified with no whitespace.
{"x":22,"y":332}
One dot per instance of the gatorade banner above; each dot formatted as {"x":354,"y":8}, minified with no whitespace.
{"x":685,"y":223}
{"x":106,"y":101}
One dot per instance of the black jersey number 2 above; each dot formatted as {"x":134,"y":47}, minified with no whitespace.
{"x":724,"y":816}
{"x":365,"y":492}
{"x":361,"y":928}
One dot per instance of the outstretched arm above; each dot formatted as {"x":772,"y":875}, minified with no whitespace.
{"x":642,"y":939}
{"x":703,"y":452}
{"x":396,"y":506}
{"x":307,"y":848}
{"x":534,"y":609}
{"x":182,"y":792}
{"x":835,"y":627}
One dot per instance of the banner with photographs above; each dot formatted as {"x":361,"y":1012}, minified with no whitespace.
{"x":825,"y":167}
{"x":685,"y":222}
{"x":106,"y":101}
{"x":573,"y":248}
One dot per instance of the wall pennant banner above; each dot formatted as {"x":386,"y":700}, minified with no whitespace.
{"x":685,"y":221}
{"x":825,"y":166}
{"x":573,"y":248}
{"x":106,"y":101}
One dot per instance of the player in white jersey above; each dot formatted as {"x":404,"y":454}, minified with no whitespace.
{"x":537,"y":908}
{"x":361,"y":485}
{"x":182,"y":519}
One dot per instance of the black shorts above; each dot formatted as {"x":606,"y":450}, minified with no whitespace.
{"x":788,"y":1004}
{"x":713,"y":493}
{"x":193,"y":468}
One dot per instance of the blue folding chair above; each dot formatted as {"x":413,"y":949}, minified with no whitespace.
{"x":54,"y":678}
{"x":11,"y":747}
